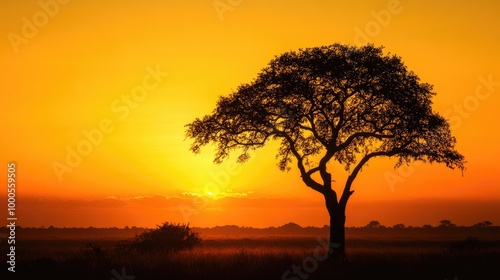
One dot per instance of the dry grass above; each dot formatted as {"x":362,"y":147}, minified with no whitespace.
{"x":263,"y":258}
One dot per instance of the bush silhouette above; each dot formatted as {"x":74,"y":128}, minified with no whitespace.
{"x":373,"y":224}
{"x":93,"y":250}
{"x":167,"y":237}
{"x":470,"y":245}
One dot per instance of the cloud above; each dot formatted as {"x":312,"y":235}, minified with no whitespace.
{"x":218,"y":195}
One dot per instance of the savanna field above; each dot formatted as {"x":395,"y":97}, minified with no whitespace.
{"x":385,"y":253}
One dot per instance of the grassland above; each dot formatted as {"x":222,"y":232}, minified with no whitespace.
{"x":371,"y":255}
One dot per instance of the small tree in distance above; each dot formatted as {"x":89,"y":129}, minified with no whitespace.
{"x":373,"y":224}
{"x":167,"y":237}
{"x":483,"y":224}
{"x":446,"y":224}
{"x":329,"y":105}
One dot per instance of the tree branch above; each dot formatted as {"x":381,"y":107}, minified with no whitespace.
{"x":347,"y":188}
{"x":351,"y":138}
{"x":306,"y":177}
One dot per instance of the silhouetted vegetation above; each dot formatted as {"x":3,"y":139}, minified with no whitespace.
{"x":373,"y":224}
{"x":446,"y":224}
{"x":234,"y":252}
{"x":483,"y":224}
{"x":292,"y":229}
{"x":470,"y":245}
{"x":336,"y":104}
{"x":374,"y":253}
{"x":166,"y":237}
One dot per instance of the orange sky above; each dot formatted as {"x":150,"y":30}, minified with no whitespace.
{"x":95,"y":97}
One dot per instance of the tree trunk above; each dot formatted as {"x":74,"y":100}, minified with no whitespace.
{"x":337,"y":228}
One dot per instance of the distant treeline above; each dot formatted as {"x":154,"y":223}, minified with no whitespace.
{"x":374,"y":228}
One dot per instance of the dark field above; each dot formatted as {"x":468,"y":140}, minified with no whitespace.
{"x":375,"y":254}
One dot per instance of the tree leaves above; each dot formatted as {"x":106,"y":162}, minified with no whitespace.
{"x":337,"y":102}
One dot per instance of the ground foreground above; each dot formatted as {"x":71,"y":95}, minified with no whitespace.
{"x":390,"y":255}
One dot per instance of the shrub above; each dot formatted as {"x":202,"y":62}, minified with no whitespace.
{"x":469,"y":245}
{"x":92,"y":249}
{"x":167,"y":237}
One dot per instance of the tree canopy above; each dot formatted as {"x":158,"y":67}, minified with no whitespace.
{"x":332,"y":103}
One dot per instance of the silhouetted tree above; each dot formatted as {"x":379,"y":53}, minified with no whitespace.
{"x":332,"y":104}
{"x":446,"y":224}
{"x":487,"y":224}
{"x":399,"y":226}
{"x":373,"y":224}
{"x":483,"y":224}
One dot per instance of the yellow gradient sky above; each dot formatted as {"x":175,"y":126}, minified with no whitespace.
{"x":95,"y":94}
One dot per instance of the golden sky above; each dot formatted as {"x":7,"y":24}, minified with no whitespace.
{"x":95,"y":96}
